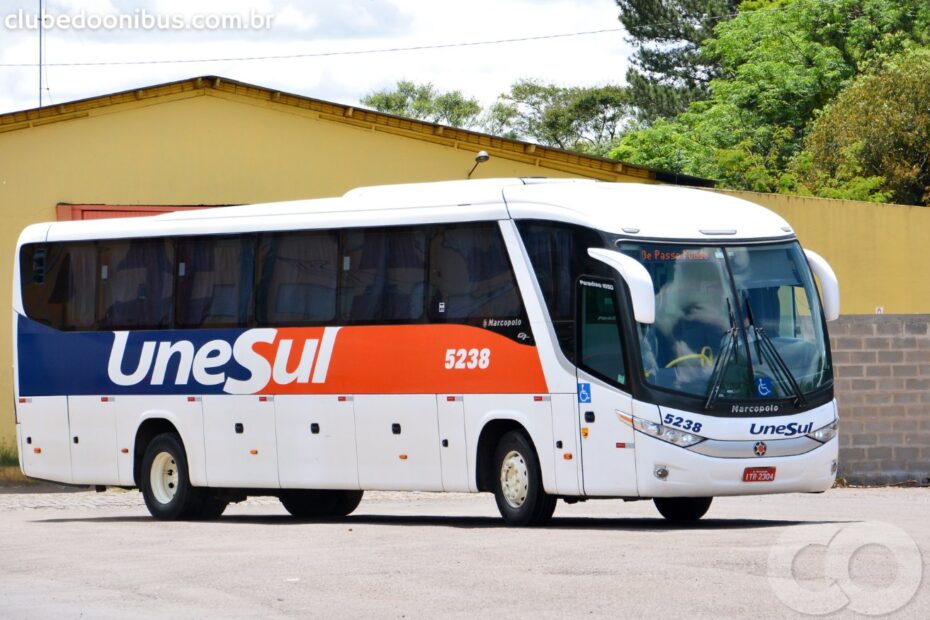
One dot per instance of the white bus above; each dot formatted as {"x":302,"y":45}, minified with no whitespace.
{"x":533,"y":338}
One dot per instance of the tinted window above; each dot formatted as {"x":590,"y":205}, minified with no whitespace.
{"x":58,"y":284}
{"x":298,"y":278}
{"x":559,"y":255}
{"x":470,"y":275}
{"x":383,"y":275}
{"x":600,"y":347}
{"x":135,"y":285}
{"x":214,"y":286}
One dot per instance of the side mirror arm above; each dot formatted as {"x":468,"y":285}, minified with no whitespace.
{"x":637,"y":280}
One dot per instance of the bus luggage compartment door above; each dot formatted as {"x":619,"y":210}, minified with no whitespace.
{"x":316,"y":441}
{"x":93,"y":439}
{"x":239,"y":441}
{"x":44,"y":440}
{"x":452,"y":440}
{"x":398,"y":442}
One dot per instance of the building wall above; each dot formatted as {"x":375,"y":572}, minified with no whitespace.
{"x":879,"y":252}
{"x":209,"y":146}
{"x":882,"y":366}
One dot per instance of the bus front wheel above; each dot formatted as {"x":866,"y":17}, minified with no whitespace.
{"x":518,"y":487}
{"x":682,"y":509}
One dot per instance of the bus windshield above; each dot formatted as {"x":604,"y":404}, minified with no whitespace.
{"x":733,"y":322}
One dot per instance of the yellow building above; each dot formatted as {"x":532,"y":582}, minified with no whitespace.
{"x":211,"y":141}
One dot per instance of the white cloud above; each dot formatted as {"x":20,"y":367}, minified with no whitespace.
{"x":326,"y":26}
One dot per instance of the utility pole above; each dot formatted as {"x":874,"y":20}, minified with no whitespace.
{"x":41,"y":24}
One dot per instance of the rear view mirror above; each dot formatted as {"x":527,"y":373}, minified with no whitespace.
{"x":637,"y":280}
{"x":829,"y":285}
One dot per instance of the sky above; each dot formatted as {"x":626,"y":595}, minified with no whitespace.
{"x":188,"y":29}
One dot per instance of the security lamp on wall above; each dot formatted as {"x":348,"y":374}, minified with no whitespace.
{"x":480,"y":158}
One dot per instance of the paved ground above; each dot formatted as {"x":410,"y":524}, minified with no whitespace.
{"x":69,"y":555}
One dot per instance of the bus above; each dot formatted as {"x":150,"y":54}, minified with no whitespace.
{"x":536,"y":339}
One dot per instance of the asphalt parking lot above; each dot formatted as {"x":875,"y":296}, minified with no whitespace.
{"x":70,"y":555}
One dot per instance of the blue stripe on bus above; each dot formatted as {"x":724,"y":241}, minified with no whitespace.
{"x":54,"y":363}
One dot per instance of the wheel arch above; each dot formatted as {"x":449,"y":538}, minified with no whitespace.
{"x":491,"y":433}
{"x":149,"y":429}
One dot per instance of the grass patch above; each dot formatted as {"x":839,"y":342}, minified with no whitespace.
{"x":12,"y":474}
{"x":8,"y":455}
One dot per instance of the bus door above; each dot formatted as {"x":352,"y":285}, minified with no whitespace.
{"x":608,"y":462}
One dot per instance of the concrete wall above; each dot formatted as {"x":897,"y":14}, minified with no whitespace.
{"x":882,"y":366}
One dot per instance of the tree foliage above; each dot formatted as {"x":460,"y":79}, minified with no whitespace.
{"x":875,"y":138}
{"x":780,"y":63}
{"x":424,"y":102}
{"x":588,"y":120}
{"x":669,"y":70}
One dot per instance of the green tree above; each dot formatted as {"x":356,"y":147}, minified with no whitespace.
{"x":588,"y":120}
{"x":873,"y":142}
{"x":780,"y":64}
{"x":424,"y":102}
{"x":668,"y":70}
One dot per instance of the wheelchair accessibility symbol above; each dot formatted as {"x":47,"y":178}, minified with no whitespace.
{"x":584,"y":392}
{"x":764,"y":386}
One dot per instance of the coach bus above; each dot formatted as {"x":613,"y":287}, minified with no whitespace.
{"x":537,"y":339}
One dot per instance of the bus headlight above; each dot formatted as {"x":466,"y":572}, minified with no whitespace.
{"x":674,"y":436}
{"x":825,"y":433}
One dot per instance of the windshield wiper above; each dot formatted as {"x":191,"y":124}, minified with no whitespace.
{"x":775,"y":356}
{"x":720,"y":364}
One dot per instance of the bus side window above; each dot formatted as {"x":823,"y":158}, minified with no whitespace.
{"x":136,"y":280}
{"x":215,"y":277}
{"x":558,"y":254}
{"x":58,"y":284}
{"x":470,"y":275}
{"x":298,"y":275}
{"x":600,"y":344}
{"x":383,"y":275}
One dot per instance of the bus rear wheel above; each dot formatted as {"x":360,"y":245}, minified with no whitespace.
{"x":320,"y":504}
{"x":166,"y":486}
{"x":518,"y":487}
{"x":682,"y":509}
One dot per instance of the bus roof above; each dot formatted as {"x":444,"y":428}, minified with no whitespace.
{"x":632,"y":209}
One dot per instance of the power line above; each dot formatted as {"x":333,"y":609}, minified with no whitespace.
{"x":385,"y":50}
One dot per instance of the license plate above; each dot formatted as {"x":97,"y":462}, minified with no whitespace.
{"x":759,"y":474}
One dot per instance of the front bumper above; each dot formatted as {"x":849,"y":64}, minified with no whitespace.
{"x":695,"y":475}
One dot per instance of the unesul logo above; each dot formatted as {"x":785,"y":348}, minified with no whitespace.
{"x":207,"y":365}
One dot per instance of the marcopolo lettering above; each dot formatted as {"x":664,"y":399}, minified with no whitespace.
{"x":790,"y":429}
{"x":750,"y":409}
{"x":209,"y":364}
